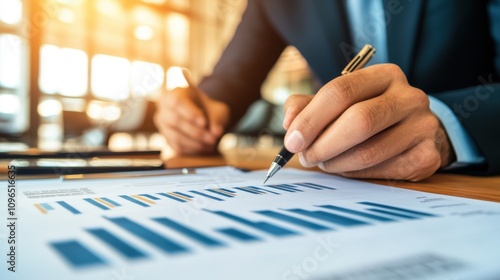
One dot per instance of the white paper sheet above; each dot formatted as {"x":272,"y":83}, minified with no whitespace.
{"x":221,"y":223}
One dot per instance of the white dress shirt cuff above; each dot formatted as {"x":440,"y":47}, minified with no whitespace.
{"x":465,"y":149}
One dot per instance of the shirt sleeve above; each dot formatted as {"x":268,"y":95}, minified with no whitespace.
{"x":465,"y":149}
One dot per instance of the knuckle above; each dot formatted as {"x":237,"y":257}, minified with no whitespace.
{"x":394,"y":71}
{"x":364,"y":118}
{"x":424,"y":162}
{"x":432,"y":124}
{"x":420,"y":99}
{"x":342,"y":90}
{"x":365,"y":156}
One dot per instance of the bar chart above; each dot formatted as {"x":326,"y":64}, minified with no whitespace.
{"x":220,"y":194}
{"x":222,"y":224}
{"x":241,"y":228}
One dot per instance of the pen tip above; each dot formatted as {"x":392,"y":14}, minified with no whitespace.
{"x":267,"y":178}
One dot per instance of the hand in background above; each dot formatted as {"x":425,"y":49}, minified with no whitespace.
{"x":185,"y":125}
{"x":368,"y":124}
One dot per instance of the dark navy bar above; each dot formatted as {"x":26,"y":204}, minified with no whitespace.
{"x":150,"y":196}
{"x":399,"y":215}
{"x":183,"y":194}
{"x":319,"y":186}
{"x":357,"y":213}
{"x":195,"y":235}
{"x":280,"y":188}
{"x":207,"y":196}
{"x":133,"y":200}
{"x":398,"y":209}
{"x":153,"y":238}
{"x":261,"y":189}
{"x":329,"y":217}
{"x":227,"y":190}
{"x":68,"y":207}
{"x":116,"y":243}
{"x":76,"y":254}
{"x":172,"y":197}
{"x":110,"y":201}
{"x":291,"y":187}
{"x":95,"y":203}
{"x":307,"y":186}
{"x":262,"y":226}
{"x":238,"y":234}
{"x":293,"y":220}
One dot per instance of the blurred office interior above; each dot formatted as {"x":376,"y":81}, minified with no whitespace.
{"x":79,"y":73}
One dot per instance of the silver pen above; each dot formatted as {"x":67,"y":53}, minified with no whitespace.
{"x":356,"y":63}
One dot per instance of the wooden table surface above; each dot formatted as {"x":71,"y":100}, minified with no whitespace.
{"x":484,"y":188}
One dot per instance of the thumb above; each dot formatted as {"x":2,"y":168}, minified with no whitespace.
{"x":293,"y":106}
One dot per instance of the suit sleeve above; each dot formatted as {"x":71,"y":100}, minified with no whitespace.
{"x":237,"y":77}
{"x":478,"y":107}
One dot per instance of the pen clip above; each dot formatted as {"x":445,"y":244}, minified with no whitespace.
{"x":360,"y":59}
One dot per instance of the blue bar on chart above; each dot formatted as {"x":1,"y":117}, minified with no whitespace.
{"x":221,"y":192}
{"x":47,"y":206}
{"x":261,"y":226}
{"x":329,"y":217}
{"x":291,"y":187}
{"x":393,"y":214}
{"x":238,"y":234}
{"x":357,"y":213}
{"x":68,"y":207}
{"x":96,"y":204}
{"x":262,"y":190}
{"x":112,"y":202}
{"x":317,"y":186}
{"x":293,"y":220}
{"x":77,"y":254}
{"x":412,"y":212}
{"x":248,"y":190}
{"x":157,"y":240}
{"x":150,"y":196}
{"x":117,"y":244}
{"x":174,"y":196}
{"x":133,"y":200}
{"x":282,"y":188}
{"x":207,"y":195}
{"x":190,"y":233}
{"x":184,"y":195}
{"x":43,"y":207}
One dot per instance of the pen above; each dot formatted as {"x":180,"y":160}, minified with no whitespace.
{"x":356,"y":63}
{"x":132,"y":174}
{"x":194,"y":94}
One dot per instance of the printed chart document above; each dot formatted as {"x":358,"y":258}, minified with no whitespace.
{"x":222,"y":223}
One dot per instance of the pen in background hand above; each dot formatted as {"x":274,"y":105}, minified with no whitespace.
{"x":195,"y":95}
{"x":356,"y":63}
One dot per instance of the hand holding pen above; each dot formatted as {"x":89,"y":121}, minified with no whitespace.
{"x":370,"y":123}
{"x":356,"y":63}
{"x":191,"y":122}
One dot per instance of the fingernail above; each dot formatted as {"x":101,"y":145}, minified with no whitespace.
{"x":303,"y":161}
{"x":321,"y":166}
{"x":294,"y":141}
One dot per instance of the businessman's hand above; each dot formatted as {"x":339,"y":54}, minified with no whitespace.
{"x":185,"y":126}
{"x":368,"y":124}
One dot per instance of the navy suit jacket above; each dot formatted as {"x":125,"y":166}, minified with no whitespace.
{"x":450,"y":49}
